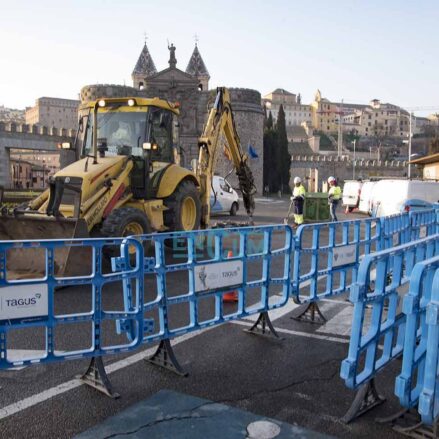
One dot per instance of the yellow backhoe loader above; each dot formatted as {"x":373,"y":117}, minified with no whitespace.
{"x":128,"y":179}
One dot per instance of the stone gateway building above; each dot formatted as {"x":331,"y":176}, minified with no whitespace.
{"x":191,"y":89}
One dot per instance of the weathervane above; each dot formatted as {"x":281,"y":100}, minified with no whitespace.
{"x":196,"y":38}
{"x":145,"y":35}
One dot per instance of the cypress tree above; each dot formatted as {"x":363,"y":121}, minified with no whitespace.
{"x":273,"y":176}
{"x":283,"y":161}
{"x":269,"y":122}
{"x":270,"y":160}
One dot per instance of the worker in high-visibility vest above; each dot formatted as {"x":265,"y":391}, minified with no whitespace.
{"x":334,"y":196}
{"x":298,"y":200}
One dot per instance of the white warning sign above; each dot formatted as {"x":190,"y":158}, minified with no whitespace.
{"x":344,"y":255}
{"x":218,"y":275}
{"x":23,"y":301}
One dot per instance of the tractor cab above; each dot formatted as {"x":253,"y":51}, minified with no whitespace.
{"x":129,"y":126}
{"x":146,"y":130}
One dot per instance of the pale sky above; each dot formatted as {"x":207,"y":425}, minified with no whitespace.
{"x":352,"y":50}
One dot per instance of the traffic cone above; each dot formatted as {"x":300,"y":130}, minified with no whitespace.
{"x":231,"y":296}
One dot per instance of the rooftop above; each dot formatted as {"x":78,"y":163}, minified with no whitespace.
{"x":282,"y":91}
{"x":426,"y":160}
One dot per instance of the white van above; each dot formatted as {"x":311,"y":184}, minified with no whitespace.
{"x":351,"y":194}
{"x":396,"y":196}
{"x":223,"y":198}
{"x":365,"y":204}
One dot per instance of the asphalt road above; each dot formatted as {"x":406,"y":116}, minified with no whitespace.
{"x":295,"y":380}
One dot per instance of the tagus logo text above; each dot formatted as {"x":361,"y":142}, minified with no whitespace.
{"x":23,"y":301}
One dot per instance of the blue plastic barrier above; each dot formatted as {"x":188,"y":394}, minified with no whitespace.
{"x":410,"y":382}
{"x":334,"y":255}
{"x":423,"y":223}
{"x":396,"y":230}
{"x":209,"y":273}
{"x":429,"y":397}
{"x":30,"y":304}
{"x":337,"y":248}
{"x":375,"y":341}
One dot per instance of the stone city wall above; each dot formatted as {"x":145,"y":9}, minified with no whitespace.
{"x":31,"y":137}
{"x":321,"y":167}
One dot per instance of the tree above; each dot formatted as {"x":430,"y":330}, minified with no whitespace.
{"x":283,"y":158}
{"x":380,"y":135}
{"x":269,"y":122}
{"x":270,"y":147}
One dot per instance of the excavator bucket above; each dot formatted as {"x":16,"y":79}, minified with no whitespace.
{"x":27,"y":263}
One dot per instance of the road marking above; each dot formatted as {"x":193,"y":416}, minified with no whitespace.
{"x":298,"y":333}
{"x":25,"y":403}
{"x":340,"y":302}
{"x":38,"y":398}
{"x":276,"y":313}
{"x":269,"y":201}
{"x":340,"y":324}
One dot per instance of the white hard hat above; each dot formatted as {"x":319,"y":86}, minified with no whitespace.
{"x":297,"y":180}
{"x":330,"y":179}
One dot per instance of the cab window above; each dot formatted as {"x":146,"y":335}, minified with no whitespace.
{"x":161,"y":135}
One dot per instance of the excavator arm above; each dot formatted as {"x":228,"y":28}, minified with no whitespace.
{"x":221,"y":123}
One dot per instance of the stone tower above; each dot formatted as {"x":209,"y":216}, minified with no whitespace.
{"x":144,"y":68}
{"x":197,"y":68}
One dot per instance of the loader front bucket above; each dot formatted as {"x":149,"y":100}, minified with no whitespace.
{"x":27,"y":263}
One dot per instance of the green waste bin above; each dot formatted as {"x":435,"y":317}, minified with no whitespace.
{"x":316,"y":207}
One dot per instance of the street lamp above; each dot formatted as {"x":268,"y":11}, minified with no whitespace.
{"x":353,"y":163}
{"x":410,"y":145}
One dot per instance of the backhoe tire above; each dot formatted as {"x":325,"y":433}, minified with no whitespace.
{"x":123,"y":222}
{"x":126,"y":221}
{"x":184,"y":208}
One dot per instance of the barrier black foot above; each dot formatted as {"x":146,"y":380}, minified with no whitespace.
{"x":264,"y":327}
{"x":164,"y":357}
{"x":310,"y":313}
{"x":409,"y":423}
{"x":97,"y":377}
{"x":366,"y":399}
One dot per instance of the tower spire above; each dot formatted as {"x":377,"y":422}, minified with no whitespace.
{"x":197,"y":68}
{"x":145,"y":65}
